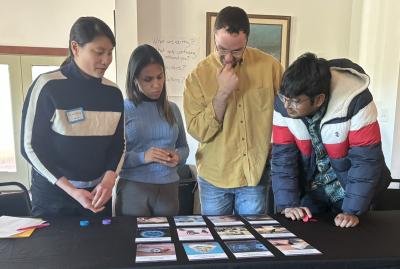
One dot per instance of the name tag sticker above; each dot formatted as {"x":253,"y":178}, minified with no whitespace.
{"x":75,"y":115}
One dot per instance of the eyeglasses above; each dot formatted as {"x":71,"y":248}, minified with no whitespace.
{"x":235,"y":53}
{"x":291,"y":102}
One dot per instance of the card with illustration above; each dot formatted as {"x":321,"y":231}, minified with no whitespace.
{"x":248,"y":249}
{"x":273,"y":231}
{"x":189,"y":221}
{"x":155,"y":252}
{"x":150,"y":234}
{"x":152,"y":222}
{"x":233,"y":232}
{"x":225,"y":220}
{"x":294,"y":246}
{"x":194,"y":234}
{"x":204,"y":251}
{"x":260,"y":219}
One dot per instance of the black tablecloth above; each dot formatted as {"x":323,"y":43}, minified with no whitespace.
{"x":375,"y":243}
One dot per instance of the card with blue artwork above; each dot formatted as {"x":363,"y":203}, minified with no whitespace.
{"x":153,"y":235}
{"x":248,"y":249}
{"x":204,"y":251}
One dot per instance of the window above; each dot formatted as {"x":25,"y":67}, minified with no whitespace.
{"x":16,"y":75}
{"x":7,"y":146}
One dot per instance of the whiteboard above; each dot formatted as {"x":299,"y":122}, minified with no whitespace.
{"x":181,"y":55}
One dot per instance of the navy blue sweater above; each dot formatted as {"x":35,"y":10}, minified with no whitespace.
{"x":72,"y":125}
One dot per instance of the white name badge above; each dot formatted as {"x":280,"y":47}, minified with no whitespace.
{"x":75,"y":115}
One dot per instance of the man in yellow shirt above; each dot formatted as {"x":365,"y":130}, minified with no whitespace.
{"x":228,"y":103}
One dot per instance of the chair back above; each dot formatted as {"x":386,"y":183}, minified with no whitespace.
{"x":187,"y":186}
{"x":389,"y":199}
{"x":15,"y":203}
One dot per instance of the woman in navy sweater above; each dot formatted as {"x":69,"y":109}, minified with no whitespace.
{"x":73,"y":129}
{"x":156,"y":141}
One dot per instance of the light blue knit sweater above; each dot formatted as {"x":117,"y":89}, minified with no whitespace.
{"x":145,"y":128}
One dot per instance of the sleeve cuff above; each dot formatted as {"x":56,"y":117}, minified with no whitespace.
{"x":134,"y":159}
{"x":210,"y":115}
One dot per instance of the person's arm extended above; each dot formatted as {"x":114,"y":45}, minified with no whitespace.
{"x":284,"y":162}
{"x":365,"y":155}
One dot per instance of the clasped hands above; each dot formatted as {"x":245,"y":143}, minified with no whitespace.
{"x":99,"y":196}
{"x":343,"y":220}
{"x":163,"y":156}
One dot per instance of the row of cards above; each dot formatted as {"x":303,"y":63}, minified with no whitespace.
{"x":212,"y":250}
{"x":162,"y":234}
{"x":199,"y":220}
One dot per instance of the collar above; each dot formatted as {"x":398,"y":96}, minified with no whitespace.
{"x":144,"y":98}
{"x":317,"y":116}
{"x":72,"y":70}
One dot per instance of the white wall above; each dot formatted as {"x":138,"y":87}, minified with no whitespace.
{"x":46,"y":23}
{"x":378,"y":51}
{"x":367,"y":31}
{"x":126,"y":34}
{"x":322,"y":27}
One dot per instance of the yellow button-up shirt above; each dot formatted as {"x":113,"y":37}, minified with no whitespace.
{"x":233,"y":153}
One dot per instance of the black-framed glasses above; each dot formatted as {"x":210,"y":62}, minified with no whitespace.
{"x":235,"y":53}
{"x":291,"y":102}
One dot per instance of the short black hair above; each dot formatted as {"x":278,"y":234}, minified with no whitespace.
{"x":233,"y":19}
{"x":308,"y":75}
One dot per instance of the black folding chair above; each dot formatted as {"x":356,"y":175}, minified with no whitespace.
{"x":15,"y":203}
{"x":389,"y":199}
{"x":187,"y":187}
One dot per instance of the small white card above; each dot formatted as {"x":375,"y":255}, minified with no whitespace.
{"x":75,"y":115}
{"x":294,"y":246}
{"x":204,"y":251}
{"x":155,"y":252}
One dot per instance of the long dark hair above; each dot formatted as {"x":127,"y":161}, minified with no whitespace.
{"x":140,"y":58}
{"x":85,"y":30}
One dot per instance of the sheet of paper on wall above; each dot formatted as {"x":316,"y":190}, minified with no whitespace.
{"x":11,"y":226}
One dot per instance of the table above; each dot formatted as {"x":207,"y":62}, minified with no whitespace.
{"x":375,"y":243}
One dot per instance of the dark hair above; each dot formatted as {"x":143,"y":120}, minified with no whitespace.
{"x":233,"y":19}
{"x":307,"y":75}
{"x":85,"y":30}
{"x":140,"y":58}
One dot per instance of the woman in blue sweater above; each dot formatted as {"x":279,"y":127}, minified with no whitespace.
{"x":155,"y":140}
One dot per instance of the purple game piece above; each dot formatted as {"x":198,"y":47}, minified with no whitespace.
{"x":106,"y":221}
